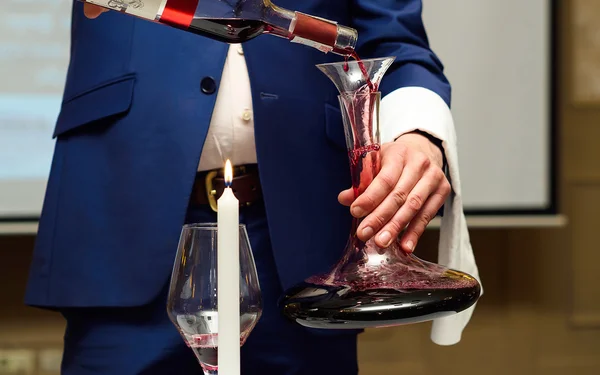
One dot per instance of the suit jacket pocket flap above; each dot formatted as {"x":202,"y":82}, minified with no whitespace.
{"x":107,"y":99}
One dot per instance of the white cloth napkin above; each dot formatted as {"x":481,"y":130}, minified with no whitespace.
{"x":417,"y":108}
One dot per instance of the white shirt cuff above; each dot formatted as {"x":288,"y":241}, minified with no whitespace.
{"x":415,"y":108}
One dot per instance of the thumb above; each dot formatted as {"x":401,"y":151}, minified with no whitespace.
{"x":92,"y":11}
{"x":346,"y":197}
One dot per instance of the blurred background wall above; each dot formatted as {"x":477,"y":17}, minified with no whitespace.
{"x":541,"y":310}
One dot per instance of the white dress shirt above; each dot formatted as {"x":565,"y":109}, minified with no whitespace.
{"x":231,"y":130}
{"x":231,"y":135}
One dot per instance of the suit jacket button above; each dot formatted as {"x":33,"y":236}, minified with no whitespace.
{"x":208,"y":85}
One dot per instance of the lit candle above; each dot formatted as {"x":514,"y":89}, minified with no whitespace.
{"x":228,"y":279}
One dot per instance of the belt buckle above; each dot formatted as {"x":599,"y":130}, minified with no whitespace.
{"x":210,"y":190}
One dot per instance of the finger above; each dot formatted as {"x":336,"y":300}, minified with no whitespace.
{"x":413,"y":205}
{"x":417,"y":226}
{"x":92,"y":11}
{"x":346,"y":197}
{"x":393,"y":202}
{"x":381,"y":186}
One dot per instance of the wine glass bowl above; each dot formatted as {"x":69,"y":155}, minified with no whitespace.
{"x":192,"y":301}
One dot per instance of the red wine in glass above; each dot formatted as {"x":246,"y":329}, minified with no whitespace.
{"x":192,"y":303}
{"x":205,"y":348}
{"x":205,"y":345}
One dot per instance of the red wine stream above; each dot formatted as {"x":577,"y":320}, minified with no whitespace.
{"x":362,"y":68}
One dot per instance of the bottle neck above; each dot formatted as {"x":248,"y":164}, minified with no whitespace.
{"x":322,"y":34}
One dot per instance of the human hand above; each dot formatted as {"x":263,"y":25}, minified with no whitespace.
{"x":407,"y":192}
{"x":92,"y":11}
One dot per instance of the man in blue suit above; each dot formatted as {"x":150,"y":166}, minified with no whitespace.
{"x":145,"y":110}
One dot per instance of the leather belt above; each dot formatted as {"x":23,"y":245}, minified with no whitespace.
{"x":209,"y":186}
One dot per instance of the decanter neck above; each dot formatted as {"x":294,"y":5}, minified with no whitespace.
{"x":360,"y":115}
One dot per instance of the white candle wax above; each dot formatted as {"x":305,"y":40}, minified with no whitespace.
{"x":228,"y":280}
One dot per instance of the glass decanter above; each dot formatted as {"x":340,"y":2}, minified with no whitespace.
{"x":372,"y":286}
{"x":192,"y":300}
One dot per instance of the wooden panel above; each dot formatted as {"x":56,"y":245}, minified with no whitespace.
{"x":502,"y":326}
{"x":585,"y":250}
{"x":570,"y":365}
{"x":559,"y":343}
{"x":581,"y":147}
{"x":586,"y":52}
{"x":21,"y":325}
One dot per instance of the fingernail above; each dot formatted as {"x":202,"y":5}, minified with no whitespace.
{"x":357,"y":212}
{"x":385,"y":238}
{"x":367,"y":232}
{"x":410,"y":245}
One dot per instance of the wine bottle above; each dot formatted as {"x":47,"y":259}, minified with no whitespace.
{"x":237,"y":21}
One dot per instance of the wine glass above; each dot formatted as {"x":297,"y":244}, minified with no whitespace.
{"x":192,"y":301}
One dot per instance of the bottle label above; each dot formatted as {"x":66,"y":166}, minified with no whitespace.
{"x":311,"y":43}
{"x":313,"y":31}
{"x":148,"y":9}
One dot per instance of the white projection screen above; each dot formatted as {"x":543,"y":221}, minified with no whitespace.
{"x":34,"y":51}
{"x":496,"y":54}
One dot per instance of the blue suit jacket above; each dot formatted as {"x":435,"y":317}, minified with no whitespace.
{"x":130,"y":134}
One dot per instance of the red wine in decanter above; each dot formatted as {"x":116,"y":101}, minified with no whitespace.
{"x":370,"y":305}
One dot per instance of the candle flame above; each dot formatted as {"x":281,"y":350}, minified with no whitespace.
{"x":228,"y":173}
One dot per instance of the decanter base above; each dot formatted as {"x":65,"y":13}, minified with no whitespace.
{"x":341,"y":307}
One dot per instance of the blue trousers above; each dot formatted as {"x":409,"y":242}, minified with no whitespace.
{"x":142,"y":340}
